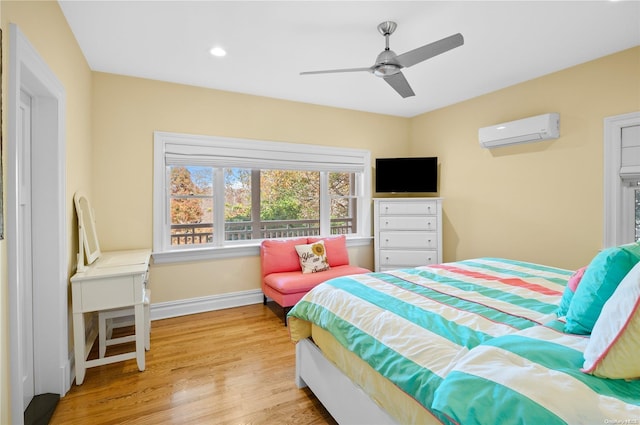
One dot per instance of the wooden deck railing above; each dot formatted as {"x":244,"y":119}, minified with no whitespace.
{"x":201,"y":233}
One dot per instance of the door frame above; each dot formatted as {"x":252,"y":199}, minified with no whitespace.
{"x":52,"y":362}
{"x":613,"y":213}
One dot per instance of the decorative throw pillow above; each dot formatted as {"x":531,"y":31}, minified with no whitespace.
{"x":567,"y":295}
{"x":336,"y":247}
{"x":614,"y":345}
{"x":313,"y":257}
{"x":575,"y":279}
{"x":600,"y":280}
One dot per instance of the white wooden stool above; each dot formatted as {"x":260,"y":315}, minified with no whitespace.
{"x":108,"y":320}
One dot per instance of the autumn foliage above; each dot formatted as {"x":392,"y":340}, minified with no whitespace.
{"x":282,"y":195}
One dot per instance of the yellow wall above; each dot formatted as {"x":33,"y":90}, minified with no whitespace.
{"x":126,"y":112}
{"x":540,"y":202}
{"x":44,"y":25}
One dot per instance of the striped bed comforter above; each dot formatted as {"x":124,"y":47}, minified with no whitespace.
{"x":436,"y":333}
{"x":534,"y":378}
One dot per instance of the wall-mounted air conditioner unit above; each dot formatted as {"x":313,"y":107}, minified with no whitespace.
{"x":532,"y":129}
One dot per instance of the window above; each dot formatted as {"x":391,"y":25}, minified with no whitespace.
{"x":622,"y":179}
{"x":219,"y":196}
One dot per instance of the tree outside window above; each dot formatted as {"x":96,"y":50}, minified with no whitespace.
{"x":288,"y":201}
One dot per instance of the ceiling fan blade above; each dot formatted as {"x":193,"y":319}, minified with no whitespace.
{"x":399,"y":84}
{"x":430,"y":50}
{"x":331,"y":71}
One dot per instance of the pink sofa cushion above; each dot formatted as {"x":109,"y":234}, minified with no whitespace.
{"x":279,"y":255}
{"x":336,"y":248}
{"x":294,"y":282}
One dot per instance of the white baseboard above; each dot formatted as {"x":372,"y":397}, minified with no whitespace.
{"x":169,"y":309}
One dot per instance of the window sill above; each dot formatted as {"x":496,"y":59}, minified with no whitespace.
{"x":248,"y":250}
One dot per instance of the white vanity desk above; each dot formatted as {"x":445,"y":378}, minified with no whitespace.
{"x":114,"y":284}
{"x":116,"y":280}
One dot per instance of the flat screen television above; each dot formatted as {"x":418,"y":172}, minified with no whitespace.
{"x":405,"y":175}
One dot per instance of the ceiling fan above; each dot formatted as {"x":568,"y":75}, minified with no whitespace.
{"x":389,"y":65}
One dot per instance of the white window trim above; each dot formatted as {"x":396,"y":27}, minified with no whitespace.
{"x":163,"y":254}
{"x":615,"y":227}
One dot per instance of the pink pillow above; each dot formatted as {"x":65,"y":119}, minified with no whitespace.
{"x":336,"y":247}
{"x":574,"y":280}
{"x":279,"y":255}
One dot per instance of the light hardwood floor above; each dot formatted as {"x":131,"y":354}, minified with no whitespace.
{"x":233,"y":366}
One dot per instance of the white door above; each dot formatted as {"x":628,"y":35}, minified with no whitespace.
{"x":25,"y":274}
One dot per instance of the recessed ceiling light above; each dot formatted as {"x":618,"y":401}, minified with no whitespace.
{"x":218,"y":51}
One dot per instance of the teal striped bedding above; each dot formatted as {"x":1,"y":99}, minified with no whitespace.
{"x":534,"y":378}
{"x":417,"y":326}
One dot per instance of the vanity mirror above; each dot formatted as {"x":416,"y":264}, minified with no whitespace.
{"x":88,"y":245}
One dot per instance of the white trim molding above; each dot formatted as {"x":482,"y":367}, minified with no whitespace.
{"x":201,"y":254}
{"x":178,"y":149}
{"x":613,"y":186}
{"x":52,"y":372}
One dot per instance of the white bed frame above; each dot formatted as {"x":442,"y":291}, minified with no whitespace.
{"x":345,"y":401}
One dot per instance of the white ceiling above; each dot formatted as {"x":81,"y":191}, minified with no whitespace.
{"x":270,"y":42}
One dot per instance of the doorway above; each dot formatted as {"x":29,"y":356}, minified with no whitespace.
{"x":619,"y":221}
{"x":42,"y":218}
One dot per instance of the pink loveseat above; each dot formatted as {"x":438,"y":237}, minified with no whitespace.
{"x":282,"y":277}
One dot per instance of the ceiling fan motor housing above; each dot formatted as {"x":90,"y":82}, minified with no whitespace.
{"x":386,"y":63}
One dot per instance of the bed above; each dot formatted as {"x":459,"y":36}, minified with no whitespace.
{"x":471,"y":342}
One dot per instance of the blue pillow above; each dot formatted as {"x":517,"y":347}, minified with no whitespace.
{"x":600,"y":280}
{"x":565,"y":302}
{"x":567,"y":295}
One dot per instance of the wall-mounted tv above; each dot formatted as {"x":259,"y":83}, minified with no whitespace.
{"x":404,"y":175}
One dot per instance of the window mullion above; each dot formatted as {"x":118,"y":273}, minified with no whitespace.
{"x":325,"y":204}
{"x":354,"y":202}
{"x":218,"y":206}
{"x":166,"y":233}
{"x":628,"y":223}
{"x":256,"y":225}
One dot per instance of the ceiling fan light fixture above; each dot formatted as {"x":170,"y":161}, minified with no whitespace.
{"x":386,"y":69}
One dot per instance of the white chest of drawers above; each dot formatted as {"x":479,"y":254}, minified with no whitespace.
{"x":407,"y":231}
